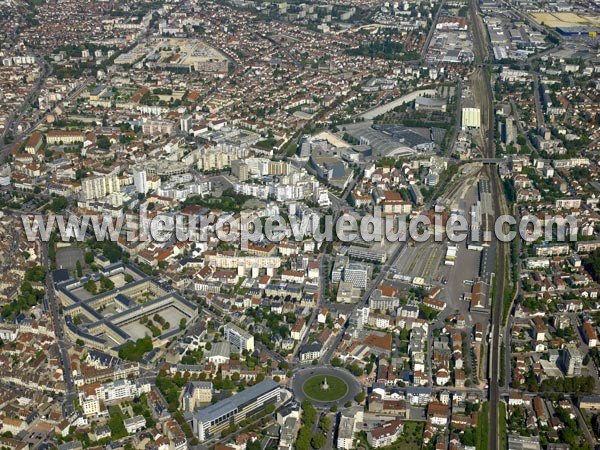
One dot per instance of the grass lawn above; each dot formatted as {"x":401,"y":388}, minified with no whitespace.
{"x":337,"y":388}
{"x":412,"y":436}
{"x":115,"y":423}
{"x":502,"y":419}
{"x":483,"y":427}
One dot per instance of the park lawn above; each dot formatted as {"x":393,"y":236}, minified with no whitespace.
{"x":337,"y":388}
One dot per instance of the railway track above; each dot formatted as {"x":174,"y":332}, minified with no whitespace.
{"x":483,"y":82}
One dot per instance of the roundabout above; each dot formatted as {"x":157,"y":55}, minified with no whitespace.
{"x":324,"y":386}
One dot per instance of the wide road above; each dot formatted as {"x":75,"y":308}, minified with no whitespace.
{"x":5,"y":148}
{"x":63,"y":346}
{"x":432,"y":30}
{"x":482,"y":79}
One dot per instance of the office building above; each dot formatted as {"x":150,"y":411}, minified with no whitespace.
{"x":338,"y":268}
{"x":208,"y":422}
{"x":357,"y":274}
{"x":367,"y":254}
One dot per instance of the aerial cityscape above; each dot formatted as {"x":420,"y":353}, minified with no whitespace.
{"x":299,"y":225}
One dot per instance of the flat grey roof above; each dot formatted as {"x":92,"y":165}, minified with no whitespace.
{"x":230,"y":404}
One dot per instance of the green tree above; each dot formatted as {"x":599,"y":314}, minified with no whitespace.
{"x":309,"y":413}
{"x":28,"y":296}
{"x":112,"y":251}
{"x":58,"y":204}
{"x":89,"y":257}
{"x":90,"y":286}
{"x":592,"y":265}
{"x":253,"y":445}
{"x":304,"y":438}
{"x":135,"y":351}
{"x":35,"y":274}
{"x":360,"y":397}
{"x":107,"y":284}
{"x":103,"y":142}
{"x":325,"y":423}
{"x":318,"y":441}
{"x":115,"y":423}
{"x":355,"y":369}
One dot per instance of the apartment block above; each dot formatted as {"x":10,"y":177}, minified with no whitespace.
{"x":238,"y":337}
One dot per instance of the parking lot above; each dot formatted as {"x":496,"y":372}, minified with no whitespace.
{"x":67,"y":257}
{"x":466,"y":268}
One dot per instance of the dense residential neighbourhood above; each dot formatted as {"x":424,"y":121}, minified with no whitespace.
{"x":183,"y":315}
